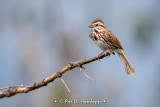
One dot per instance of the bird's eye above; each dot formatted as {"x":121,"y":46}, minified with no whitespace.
{"x":96,"y":24}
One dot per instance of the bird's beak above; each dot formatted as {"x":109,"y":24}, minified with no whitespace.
{"x":90,"y":26}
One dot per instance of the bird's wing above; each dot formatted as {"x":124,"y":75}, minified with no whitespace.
{"x":113,"y":40}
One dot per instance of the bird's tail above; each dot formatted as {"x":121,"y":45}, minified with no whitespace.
{"x":127,"y":65}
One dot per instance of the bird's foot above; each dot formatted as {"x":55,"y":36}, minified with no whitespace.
{"x":106,"y":53}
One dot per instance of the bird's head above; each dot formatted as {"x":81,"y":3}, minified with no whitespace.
{"x":96,"y":23}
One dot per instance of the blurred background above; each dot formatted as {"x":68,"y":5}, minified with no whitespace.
{"x":39,"y":37}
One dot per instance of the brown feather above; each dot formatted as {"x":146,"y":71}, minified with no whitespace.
{"x":97,"y":20}
{"x":112,"y":39}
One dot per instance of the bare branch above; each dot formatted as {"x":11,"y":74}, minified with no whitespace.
{"x":13,"y":90}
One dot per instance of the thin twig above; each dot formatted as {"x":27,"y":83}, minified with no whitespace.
{"x":85,"y":74}
{"x":65,"y":84}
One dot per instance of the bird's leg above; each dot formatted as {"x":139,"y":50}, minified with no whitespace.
{"x":106,"y":52}
{"x":100,"y":55}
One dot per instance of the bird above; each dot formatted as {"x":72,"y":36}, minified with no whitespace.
{"x":109,"y":44}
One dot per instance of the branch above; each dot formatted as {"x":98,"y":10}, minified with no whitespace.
{"x":13,"y":90}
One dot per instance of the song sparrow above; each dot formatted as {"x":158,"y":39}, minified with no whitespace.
{"x":107,"y":42}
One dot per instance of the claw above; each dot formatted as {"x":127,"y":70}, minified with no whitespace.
{"x":107,"y":53}
{"x":99,"y":56}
